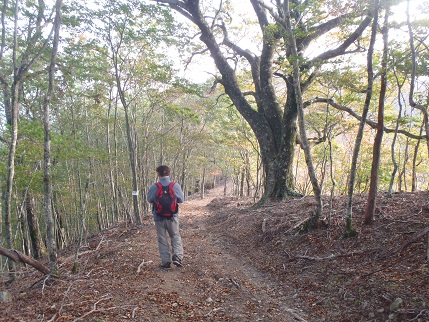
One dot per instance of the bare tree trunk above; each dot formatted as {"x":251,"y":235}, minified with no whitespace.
{"x":82,"y":226}
{"x":313,"y":222}
{"x":131,"y":142}
{"x":203,"y":183}
{"x":23,"y":228}
{"x":350,"y":231}
{"x":121,"y":214}
{"x":7,"y":109}
{"x":259,"y":179}
{"x":414,"y":172}
{"x":47,"y":202}
{"x":331,"y":172}
{"x":403,"y":173}
{"x":395,"y":135}
{"x":413,"y":78}
{"x":33,"y":226}
{"x":373,"y":188}
{"x":242,"y":176}
{"x":133,"y":163}
{"x":62,"y":227}
{"x":10,"y":177}
{"x":183,"y":173}
{"x":112,"y":178}
{"x":12,"y":107}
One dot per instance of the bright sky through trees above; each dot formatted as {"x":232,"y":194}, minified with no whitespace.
{"x":202,"y":68}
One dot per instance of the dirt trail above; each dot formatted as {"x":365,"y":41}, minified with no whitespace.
{"x":119,"y":280}
{"x":229,"y":286}
{"x":225,"y":279}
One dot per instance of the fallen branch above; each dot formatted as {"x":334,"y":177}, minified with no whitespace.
{"x":390,"y":253}
{"x":65,"y":260}
{"x":99,"y":244}
{"x":419,"y":235}
{"x":235,"y":282}
{"x":296,"y":315}
{"x":310,"y":258}
{"x":332,"y":256}
{"x":94,"y":309}
{"x":17,"y":257}
{"x":141,"y":265}
{"x":297,"y":225}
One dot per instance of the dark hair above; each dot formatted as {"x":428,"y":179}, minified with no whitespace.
{"x":163,"y":171}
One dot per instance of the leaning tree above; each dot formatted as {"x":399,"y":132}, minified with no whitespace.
{"x":272,"y":118}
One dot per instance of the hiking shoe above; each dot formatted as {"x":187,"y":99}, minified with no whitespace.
{"x":177,"y":261}
{"x":165,"y":265}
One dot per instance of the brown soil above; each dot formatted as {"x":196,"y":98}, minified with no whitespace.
{"x":244,"y":264}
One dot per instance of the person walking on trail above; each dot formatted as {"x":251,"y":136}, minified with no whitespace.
{"x":164,"y":196}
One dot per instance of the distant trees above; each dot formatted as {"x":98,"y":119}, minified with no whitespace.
{"x":73,"y":108}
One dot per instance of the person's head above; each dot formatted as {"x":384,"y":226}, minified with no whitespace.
{"x":163,"y":171}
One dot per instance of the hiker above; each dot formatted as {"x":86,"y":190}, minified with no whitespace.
{"x":164,"y":196}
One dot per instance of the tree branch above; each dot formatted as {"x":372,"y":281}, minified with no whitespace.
{"x":372,"y":124}
{"x":240,"y":51}
{"x":341,"y":50}
{"x":193,"y":55}
{"x":179,"y":6}
{"x":262,"y":17}
{"x":321,"y":29}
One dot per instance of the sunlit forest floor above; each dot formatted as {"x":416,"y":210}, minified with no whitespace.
{"x":244,"y":264}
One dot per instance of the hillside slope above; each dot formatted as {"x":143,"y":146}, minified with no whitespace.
{"x":244,"y":264}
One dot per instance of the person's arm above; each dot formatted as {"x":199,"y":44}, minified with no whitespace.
{"x":179,"y":193}
{"x":151,"y":194}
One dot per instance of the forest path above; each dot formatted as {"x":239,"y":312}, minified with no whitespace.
{"x":229,"y":288}
{"x":119,"y":279}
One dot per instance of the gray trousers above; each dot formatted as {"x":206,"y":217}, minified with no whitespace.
{"x":170,"y":226}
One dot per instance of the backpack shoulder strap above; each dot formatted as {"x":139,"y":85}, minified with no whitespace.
{"x":170,"y":189}
{"x":159,"y":185}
